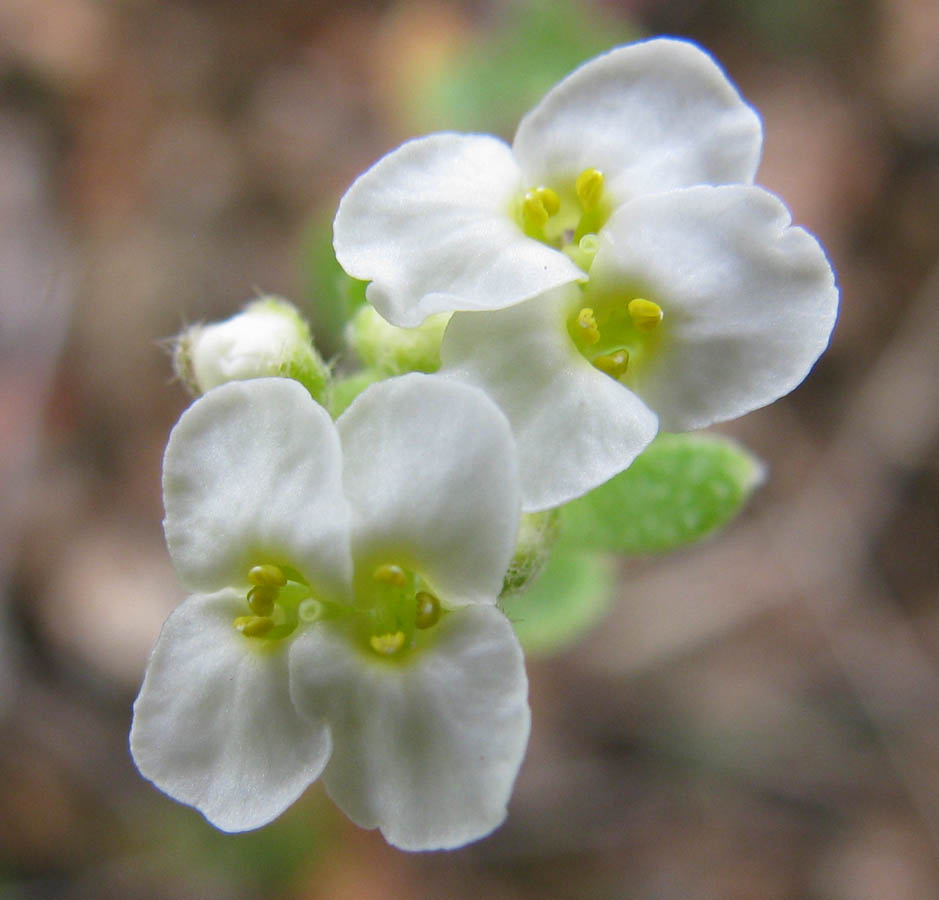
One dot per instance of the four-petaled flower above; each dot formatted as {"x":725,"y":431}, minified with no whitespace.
{"x":342,"y":619}
{"x":613,"y":272}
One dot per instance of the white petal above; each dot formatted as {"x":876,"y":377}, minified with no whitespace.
{"x":427,"y":748}
{"x":214,"y":725}
{"x":574,"y":426}
{"x":252,"y":474}
{"x":749,"y":301}
{"x":652,"y":116}
{"x":430,"y":226}
{"x":432,"y":481}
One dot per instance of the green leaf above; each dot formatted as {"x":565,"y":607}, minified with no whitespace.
{"x":571,"y":595}
{"x":682,"y":488}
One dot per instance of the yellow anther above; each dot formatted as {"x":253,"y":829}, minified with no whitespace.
{"x":267,"y":575}
{"x":534,"y":213}
{"x":587,"y":326}
{"x":613,"y":364}
{"x":549,"y":200}
{"x":254,"y":626}
{"x":390,"y":574}
{"x":645,"y":314}
{"x":387,"y":644}
{"x":428,"y":610}
{"x":589,"y":188}
{"x":261,"y":599}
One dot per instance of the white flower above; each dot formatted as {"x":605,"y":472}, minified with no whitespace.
{"x":703,"y":304}
{"x":613,"y":273}
{"x":465,"y":222}
{"x":342,"y":621}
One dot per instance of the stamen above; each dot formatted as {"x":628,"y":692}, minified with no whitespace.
{"x":645,"y":314}
{"x":549,"y":199}
{"x":587,"y":325}
{"x":613,"y":364}
{"x":390,"y":574}
{"x":534,"y":212}
{"x":387,"y":644}
{"x":589,"y":188}
{"x":267,"y":575}
{"x":254,"y":626}
{"x":428,"y":610}
{"x":261,"y":599}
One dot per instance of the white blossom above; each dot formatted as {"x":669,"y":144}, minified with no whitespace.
{"x":342,"y":621}
{"x":613,"y":272}
{"x":466,"y":222}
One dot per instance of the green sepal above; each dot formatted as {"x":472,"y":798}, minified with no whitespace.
{"x":346,"y":388}
{"x":680,"y":489}
{"x":334,"y":296}
{"x":572,"y":594}
{"x":537,"y":535}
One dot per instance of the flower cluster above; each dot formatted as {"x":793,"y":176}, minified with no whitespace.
{"x":612,"y":273}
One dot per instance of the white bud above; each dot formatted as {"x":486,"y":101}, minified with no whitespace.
{"x":268,"y":338}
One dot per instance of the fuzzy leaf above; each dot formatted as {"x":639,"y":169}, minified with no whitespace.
{"x":680,"y":489}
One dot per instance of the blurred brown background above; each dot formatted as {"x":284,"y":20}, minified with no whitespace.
{"x":758,"y":718}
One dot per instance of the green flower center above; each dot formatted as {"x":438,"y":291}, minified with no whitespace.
{"x":566,"y":216}
{"x":617,"y":335}
{"x":393,"y":606}
{"x":278,"y":600}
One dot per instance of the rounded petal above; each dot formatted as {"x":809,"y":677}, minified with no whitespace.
{"x":574,"y":426}
{"x":749,"y":301}
{"x":430,"y":226}
{"x":432,"y":481}
{"x":253,"y":473}
{"x":214,"y":726}
{"x":427,"y":749}
{"x":652,"y":116}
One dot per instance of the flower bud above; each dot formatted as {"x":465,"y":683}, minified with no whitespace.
{"x":536,"y":537}
{"x":392,"y":350}
{"x":269,"y":337}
